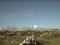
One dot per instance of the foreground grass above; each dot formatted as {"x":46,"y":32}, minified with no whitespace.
{"x":15,"y":40}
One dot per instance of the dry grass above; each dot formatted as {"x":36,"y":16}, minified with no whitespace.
{"x":15,"y":40}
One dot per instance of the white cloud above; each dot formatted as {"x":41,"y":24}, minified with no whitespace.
{"x":31,"y":12}
{"x":29,"y":15}
{"x":35,"y":26}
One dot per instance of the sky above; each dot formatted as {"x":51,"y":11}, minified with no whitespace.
{"x":24,"y":13}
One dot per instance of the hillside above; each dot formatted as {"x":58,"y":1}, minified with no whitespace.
{"x":16,"y":37}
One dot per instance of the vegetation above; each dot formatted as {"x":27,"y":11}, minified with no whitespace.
{"x":15,"y":38}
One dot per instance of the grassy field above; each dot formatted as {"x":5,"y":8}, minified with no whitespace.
{"x":15,"y":40}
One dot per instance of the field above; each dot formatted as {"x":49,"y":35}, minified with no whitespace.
{"x":15,"y":38}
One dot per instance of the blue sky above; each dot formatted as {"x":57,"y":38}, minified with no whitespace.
{"x":19,"y":13}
